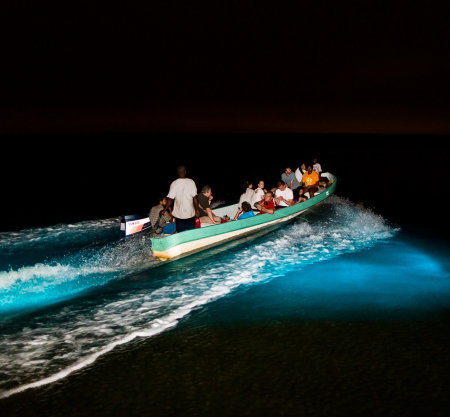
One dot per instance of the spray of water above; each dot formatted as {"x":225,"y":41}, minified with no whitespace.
{"x":50,"y":344}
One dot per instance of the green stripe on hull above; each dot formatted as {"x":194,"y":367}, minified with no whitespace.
{"x":167,"y":242}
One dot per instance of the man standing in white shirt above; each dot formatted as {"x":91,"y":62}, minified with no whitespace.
{"x":284,"y":196}
{"x":183,"y":196}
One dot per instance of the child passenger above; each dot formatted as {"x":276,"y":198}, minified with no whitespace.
{"x":246,"y":210}
{"x":260,"y":191}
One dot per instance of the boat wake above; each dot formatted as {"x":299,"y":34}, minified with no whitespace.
{"x":110,"y":294}
{"x":61,"y":277}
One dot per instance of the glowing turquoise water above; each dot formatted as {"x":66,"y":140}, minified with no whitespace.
{"x":71,"y":294}
{"x":395,"y":281}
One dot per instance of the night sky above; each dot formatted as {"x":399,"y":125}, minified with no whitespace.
{"x":100,"y":102}
{"x":229,"y":66}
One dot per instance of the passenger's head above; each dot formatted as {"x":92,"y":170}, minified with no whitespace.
{"x":288,"y":171}
{"x":246,"y":206}
{"x":247,"y":184}
{"x":309,"y":168}
{"x":181,"y":171}
{"x":314,"y":160}
{"x":206,"y":190}
{"x":268,"y":196}
{"x":303,"y":166}
{"x":261,"y":184}
{"x":163,"y":201}
{"x":281,"y":185}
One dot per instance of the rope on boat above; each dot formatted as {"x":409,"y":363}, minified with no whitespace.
{"x":306,"y":220}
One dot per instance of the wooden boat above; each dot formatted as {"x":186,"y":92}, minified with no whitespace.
{"x":190,"y":241}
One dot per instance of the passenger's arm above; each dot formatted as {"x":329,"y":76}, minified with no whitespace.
{"x":167,"y":207}
{"x":211,"y":216}
{"x":266,"y":210}
{"x":197,"y":211}
{"x":288,"y":202}
{"x":169,"y":211}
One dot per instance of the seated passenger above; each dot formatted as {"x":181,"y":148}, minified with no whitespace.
{"x":299,"y":172}
{"x":204,"y":206}
{"x":247,"y":192}
{"x":310,"y":182}
{"x":290,"y":179}
{"x":266,"y":205}
{"x":323,"y":181}
{"x":247,"y":195}
{"x":284,"y":196}
{"x":246,"y":211}
{"x":299,"y":175}
{"x":161,"y":222}
{"x":316,"y":167}
{"x":258,"y":194}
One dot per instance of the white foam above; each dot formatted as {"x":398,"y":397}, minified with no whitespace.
{"x":155,"y":328}
{"x":81,"y":334}
{"x":61,"y":231}
{"x":73,"y":273}
{"x":45,"y":275}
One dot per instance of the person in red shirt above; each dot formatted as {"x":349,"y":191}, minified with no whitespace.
{"x":266,"y":205}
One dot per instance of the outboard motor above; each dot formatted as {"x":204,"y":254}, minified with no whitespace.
{"x":135,"y":223}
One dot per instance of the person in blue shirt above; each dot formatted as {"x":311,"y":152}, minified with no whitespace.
{"x":246,"y":210}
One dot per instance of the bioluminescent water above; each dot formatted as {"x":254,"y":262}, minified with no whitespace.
{"x":71,"y":293}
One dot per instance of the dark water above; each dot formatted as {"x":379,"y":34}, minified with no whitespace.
{"x":346,"y":315}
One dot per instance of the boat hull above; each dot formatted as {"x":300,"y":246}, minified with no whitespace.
{"x":192,"y":241}
{"x":207,"y":242}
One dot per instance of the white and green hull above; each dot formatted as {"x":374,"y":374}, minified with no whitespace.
{"x":191,"y":241}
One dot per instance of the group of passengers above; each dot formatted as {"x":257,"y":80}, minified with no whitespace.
{"x":184,"y":209}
